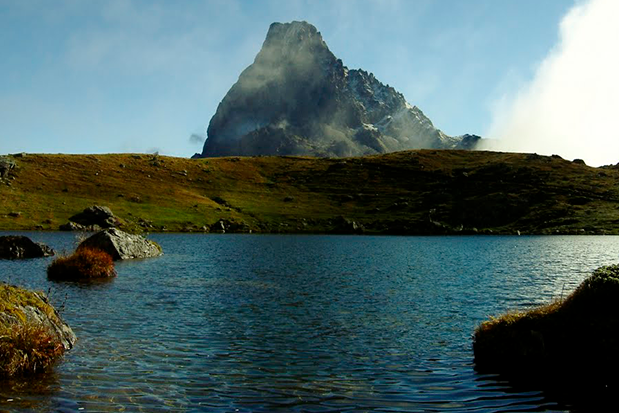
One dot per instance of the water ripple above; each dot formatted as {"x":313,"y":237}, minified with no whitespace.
{"x":298,"y":323}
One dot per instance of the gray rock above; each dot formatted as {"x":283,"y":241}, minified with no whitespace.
{"x":297,"y":98}
{"x":95,"y":215}
{"x":122,"y":246}
{"x":71,"y":226}
{"x":343,"y":225}
{"x":56,"y":325}
{"x":20,"y":247}
{"x":224,"y":225}
{"x":34,"y":314}
{"x":6,"y":166}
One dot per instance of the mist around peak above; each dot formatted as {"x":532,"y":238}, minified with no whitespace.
{"x":298,"y":98}
{"x":570,"y":106}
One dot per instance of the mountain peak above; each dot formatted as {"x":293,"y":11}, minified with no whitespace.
{"x":295,"y":30}
{"x":297,"y":43}
{"x":297,"y":98}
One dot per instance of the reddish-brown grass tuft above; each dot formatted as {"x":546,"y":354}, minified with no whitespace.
{"x":27,"y":348}
{"x":85,"y":264}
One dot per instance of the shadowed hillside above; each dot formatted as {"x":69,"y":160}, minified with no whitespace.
{"x":412,"y":192}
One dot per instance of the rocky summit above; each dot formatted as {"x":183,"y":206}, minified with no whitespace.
{"x":297,"y":98}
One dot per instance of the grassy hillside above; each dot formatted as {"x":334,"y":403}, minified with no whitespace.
{"x":412,"y":192}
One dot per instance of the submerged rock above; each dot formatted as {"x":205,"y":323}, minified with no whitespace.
{"x":121,"y":245}
{"x":32,"y":333}
{"x":20,"y":247}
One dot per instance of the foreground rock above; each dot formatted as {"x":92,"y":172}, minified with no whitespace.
{"x":122,"y":246}
{"x":32,"y":333}
{"x":20,"y":247}
{"x":93,"y":218}
{"x":572,"y":344}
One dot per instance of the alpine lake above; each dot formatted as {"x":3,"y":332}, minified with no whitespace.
{"x":313,"y":323}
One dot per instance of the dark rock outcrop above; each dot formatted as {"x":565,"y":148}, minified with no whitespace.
{"x":20,"y":247}
{"x":572,"y":343}
{"x":95,"y":216}
{"x":224,"y":225}
{"x":6,"y":166}
{"x":342,"y":225}
{"x":297,"y":98}
{"x":122,"y":246}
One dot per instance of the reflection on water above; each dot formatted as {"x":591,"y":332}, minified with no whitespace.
{"x":298,"y":323}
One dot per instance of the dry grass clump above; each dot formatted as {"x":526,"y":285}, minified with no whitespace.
{"x":27,"y":348}
{"x":83,"y":265}
{"x":515,"y":317}
{"x":575,"y":339}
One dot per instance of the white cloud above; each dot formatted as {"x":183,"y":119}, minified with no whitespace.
{"x":571,"y":106}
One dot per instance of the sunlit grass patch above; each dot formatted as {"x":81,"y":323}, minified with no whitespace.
{"x":504,"y":193}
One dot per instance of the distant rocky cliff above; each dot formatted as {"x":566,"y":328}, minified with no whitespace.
{"x":297,"y":98}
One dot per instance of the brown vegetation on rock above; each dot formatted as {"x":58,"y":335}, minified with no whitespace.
{"x":32,"y":334}
{"x":27,"y":348}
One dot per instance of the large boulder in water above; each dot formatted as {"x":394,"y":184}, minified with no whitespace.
{"x":32,"y":333}
{"x":122,"y":246}
{"x":20,"y":247}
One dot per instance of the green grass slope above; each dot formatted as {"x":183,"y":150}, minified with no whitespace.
{"x":412,"y":192}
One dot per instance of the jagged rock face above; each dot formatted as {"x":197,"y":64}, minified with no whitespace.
{"x":297,"y":98}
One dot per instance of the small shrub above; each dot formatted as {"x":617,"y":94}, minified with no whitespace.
{"x":85,"y":264}
{"x":26,"y":349}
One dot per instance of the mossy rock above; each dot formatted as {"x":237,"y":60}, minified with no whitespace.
{"x":572,"y":341}
{"x":32,"y":333}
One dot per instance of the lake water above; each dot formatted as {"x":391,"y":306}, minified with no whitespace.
{"x":263,"y":323}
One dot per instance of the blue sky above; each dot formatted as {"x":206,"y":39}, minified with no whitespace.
{"x":101,"y":76}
